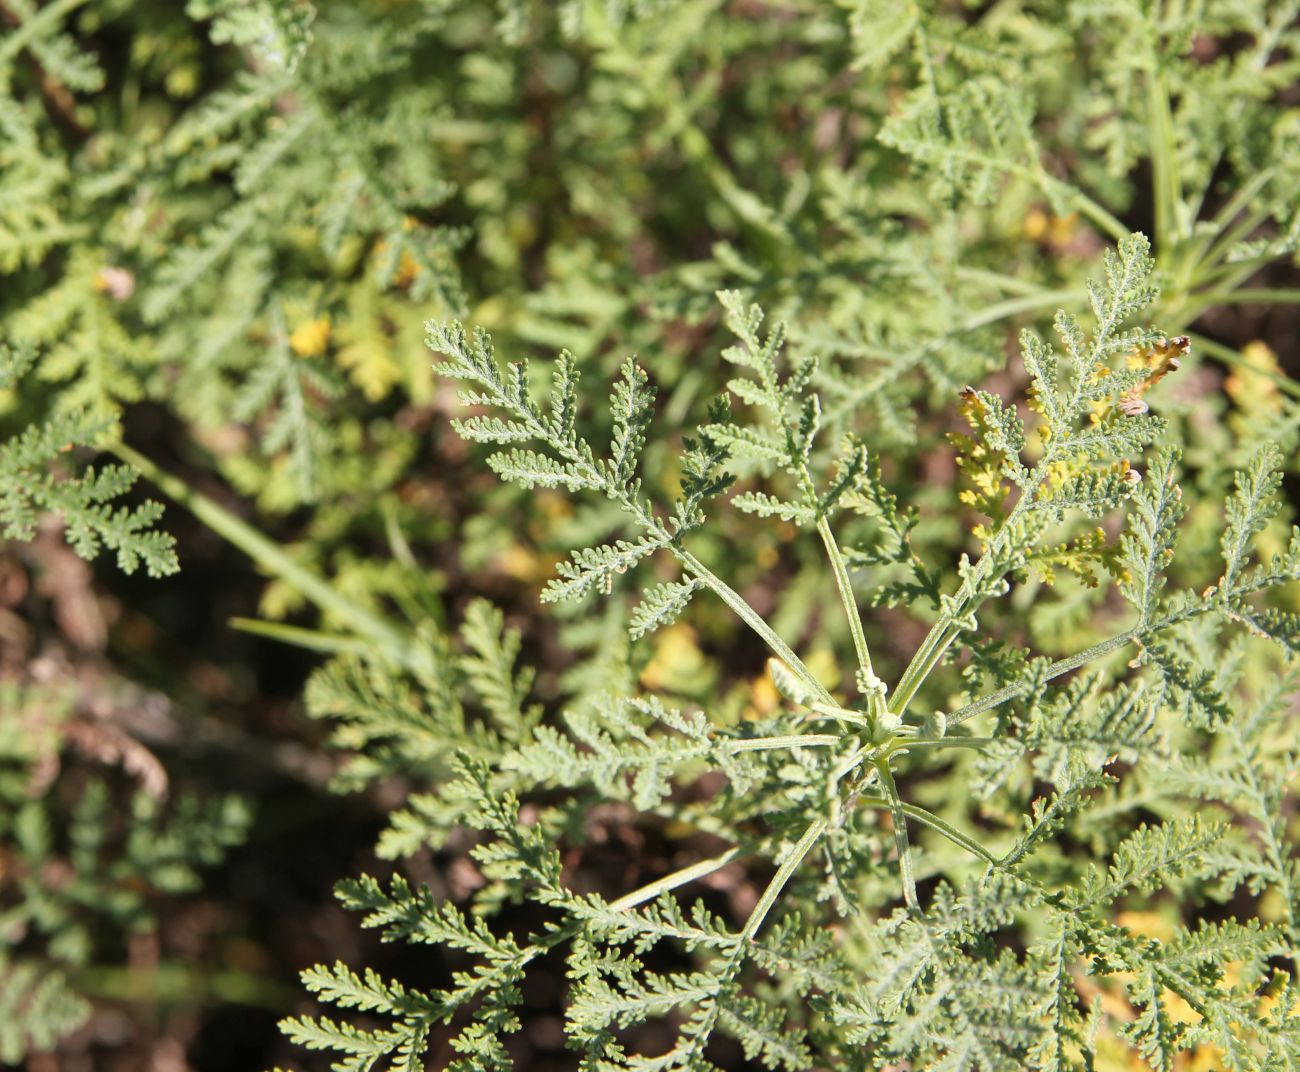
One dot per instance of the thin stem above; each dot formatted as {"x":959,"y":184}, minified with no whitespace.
{"x":752,"y":924}
{"x":1230,"y":276}
{"x":783,"y":873}
{"x":310,"y":639}
{"x":1205,"y":249}
{"x":1224,"y":241}
{"x":927,"y":656}
{"x":912,"y":744}
{"x":1104,"y":219}
{"x":1001,"y":310}
{"x":754,"y":620}
{"x":1165,"y":179}
{"x":841,"y":714}
{"x":1249,"y":296}
{"x":1242,"y":197}
{"x":944,"y":632}
{"x":845,"y":588}
{"x":957,"y":837}
{"x":898,"y":812}
{"x":679,"y":877}
{"x":1009,"y":283}
{"x":1227,"y":292}
{"x":928,"y":818}
{"x":1056,"y":669}
{"x":762,"y":744}
{"x":1232,"y":357}
{"x":275,"y":561}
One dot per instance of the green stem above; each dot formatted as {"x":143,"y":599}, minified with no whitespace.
{"x":1028,"y":302}
{"x":927,"y":657}
{"x":680,"y":877}
{"x":1232,"y":357}
{"x":1249,"y":296}
{"x":943,"y":632}
{"x":310,"y":639}
{"x":1167,"y":185}
{"x":912,"y":744}
{"x":845,"y":587}
{"x":734,"y":962}
{"x":1200,"y":250}
{"x":1229,"y":277}
{"x":898,"y":812}
{"x":783,"y":874}
{"x":1104,"y":219}
{"x":957,"y":837}
{"x":928,"y":818}
{"x":1227,"y":292}
{"x":763,"y":744}
{"x":754,"y":620}
{"x":274,"y":561}
{"x":842,"y":714}
{"x":1212,"y":264}
{"x":1242,"y":198}
{"x":1056,"y":669}
{"x":1009,"y":283}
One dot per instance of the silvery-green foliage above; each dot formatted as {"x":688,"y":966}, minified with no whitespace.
{"x":895,"y":183}
{"x":827,"y":967}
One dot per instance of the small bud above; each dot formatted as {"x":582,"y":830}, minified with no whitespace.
{"x":1133,"y":406}
{"x":869,"y":684}
{"x":935,"y":724}
{"x":886,"y":723}
{"x":117,"y":283}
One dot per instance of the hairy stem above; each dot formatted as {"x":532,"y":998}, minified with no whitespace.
{"x":762,"y":744}
{"x":845,"y":588}
{"x":679,"y":877}
{"x":754,"y":620}
{"x":898,"y":812}
{"x":1061,"y":666}
{"x":783,"y":875}
{"x":939,"y":826}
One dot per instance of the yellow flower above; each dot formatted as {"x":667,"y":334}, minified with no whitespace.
{"x":311,"y":337}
